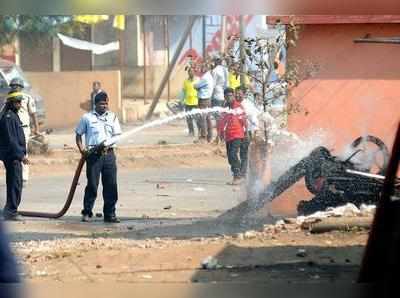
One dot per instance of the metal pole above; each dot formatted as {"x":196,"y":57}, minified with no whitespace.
{"x":171,"y":66}
{"x":242,"y":51}
{"x":204,"y":36}
{"x":144,"y":62}
{"x":223,"y":33}
{"x":166,"y":39}
{"x":121,"y":48}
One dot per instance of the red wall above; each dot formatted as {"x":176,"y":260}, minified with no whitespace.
{"x":356,"y":89}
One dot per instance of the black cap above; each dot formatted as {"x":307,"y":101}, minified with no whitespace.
{"x":102,"y":96}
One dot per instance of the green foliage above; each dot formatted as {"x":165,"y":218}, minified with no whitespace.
{"x":37,"y":28}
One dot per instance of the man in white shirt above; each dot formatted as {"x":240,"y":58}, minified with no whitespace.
{"x":252,"y":114}
{"x":100,"y":127}
{"x":220,"y":76}
{"x":205,"y":88}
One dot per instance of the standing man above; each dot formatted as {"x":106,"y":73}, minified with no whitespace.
{"x":96,"y":89}
{"x":251,"y":113}
{"x":205,"y":88}
{"x":191,"y":101}
{"x":12,"y":153}
{"x":25,"y":113}
{"x":234,"y":77}
{"x":220,"y":76}
{"x":231,"y":129}
{"x":229,"y":95}
{"x":101,"y":129}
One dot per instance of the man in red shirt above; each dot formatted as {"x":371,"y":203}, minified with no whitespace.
{"x":231,"y":128}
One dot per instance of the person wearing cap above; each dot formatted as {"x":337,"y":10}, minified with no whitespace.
{"x":25,"y":113}
{"x":99,"y":126}
{"x":96,"y":89}
{"x":12,"y":153}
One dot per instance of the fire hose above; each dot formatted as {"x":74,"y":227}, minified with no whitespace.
{"x":68,"y":202}
{"x":96,"y":150}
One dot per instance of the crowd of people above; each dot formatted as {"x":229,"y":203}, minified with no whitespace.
{"x":217,"y":86}
{"x":100,"y":128}
{"x":220,"y":86}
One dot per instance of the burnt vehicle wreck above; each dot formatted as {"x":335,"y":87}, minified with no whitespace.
{"x":334,"y":180}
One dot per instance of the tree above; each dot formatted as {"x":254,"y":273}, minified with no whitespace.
{"x":260,"y":59}
{"x":36,"y":28}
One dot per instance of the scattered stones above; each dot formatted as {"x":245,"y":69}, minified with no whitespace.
{"x":147,"y":276}
{"x":289,"y":220}
{"x":210,"y":263}
{"x":41,"y":273}
{"x":280,"y":223}
{"x":316,"y":276}
{"x":160,"y":186}
{"x":240,"y":236}
{"x":301,"y":253}
{"x":250,"y":235}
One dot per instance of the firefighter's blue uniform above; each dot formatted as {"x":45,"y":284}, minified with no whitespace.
{"x":12,"y":152}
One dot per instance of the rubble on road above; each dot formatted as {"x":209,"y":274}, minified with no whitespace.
{"x":210,"y":263}
{"x":348,"y":210}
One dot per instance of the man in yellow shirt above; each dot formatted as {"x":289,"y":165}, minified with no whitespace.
{"x":191,"y":101}
{"x":234,"y":77}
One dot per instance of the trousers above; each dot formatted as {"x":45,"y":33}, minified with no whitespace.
{"x":205,"y":120}
{"x":105,"y":166}
{"x":14,"y":186}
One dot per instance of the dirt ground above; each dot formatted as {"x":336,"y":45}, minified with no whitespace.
{"x":197,"y":241}
{"x":174,"y":248}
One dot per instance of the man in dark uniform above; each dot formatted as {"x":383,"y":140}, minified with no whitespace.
{"x":12,"y":153}
{"x":101,"y":128}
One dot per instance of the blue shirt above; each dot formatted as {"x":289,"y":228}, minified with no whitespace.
{"x":99,"y":128}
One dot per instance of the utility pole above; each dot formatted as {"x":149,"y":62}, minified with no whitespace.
{"x":223,"y":34}
{"x":204,"y":36}
{"x":174,"y":59}
{"x":242,"y":50}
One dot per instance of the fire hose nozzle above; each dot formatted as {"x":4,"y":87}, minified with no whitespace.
{"x":98,"y":149}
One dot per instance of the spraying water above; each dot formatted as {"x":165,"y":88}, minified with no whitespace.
{"x":178,"y":116}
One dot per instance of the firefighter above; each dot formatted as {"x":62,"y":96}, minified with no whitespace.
{"x":99,"y":126}
{"x":12,"y":153}
{"x":26,"y":113}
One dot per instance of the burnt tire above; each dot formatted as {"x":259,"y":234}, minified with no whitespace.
{"x":314,"y":179}
{"x":380,"y":144}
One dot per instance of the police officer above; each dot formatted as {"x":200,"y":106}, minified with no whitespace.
{"x":13,"y":153}
{"x":99,"y":126}
{"x":26,"y":113}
